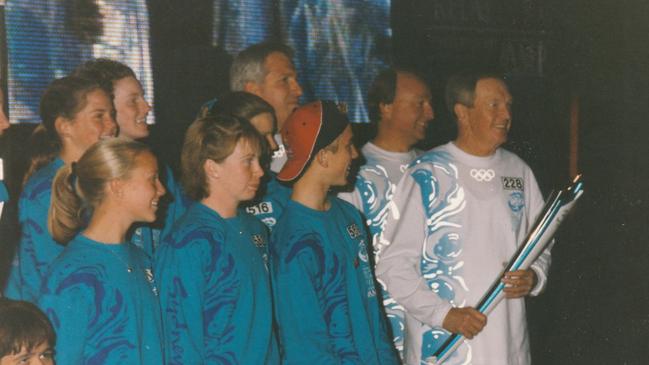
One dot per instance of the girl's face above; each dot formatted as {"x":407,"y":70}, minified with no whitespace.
{"x":131,"y":108}
{"x":240,"y":173}
{"x":142,"y":190}
{"x":4,"y":121}
{"x":92,"y":123}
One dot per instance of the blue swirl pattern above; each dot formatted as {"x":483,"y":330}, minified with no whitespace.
{"x":102,"y":304}
{"x":443,"y":270}
{"x":218,"y":307}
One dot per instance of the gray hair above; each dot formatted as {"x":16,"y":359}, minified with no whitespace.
{"x":460,"y":88}
{"x":248,"y":66}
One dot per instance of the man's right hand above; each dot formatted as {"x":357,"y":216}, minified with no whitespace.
{"x":466,"y":321}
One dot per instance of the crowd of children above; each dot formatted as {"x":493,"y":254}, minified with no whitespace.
{"x":131,"y":268}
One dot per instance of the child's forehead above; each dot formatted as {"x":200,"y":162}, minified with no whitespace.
{"x":25,"y":350}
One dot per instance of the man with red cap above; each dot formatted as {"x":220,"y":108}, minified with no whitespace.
{"x":326,"y":301}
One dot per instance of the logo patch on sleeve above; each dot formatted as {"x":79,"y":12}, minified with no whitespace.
{"x":258,"y":240}
{"x":513,"y":183}
{"x":353,"y":230}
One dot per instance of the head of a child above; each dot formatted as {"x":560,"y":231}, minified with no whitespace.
{"x":318,"y":140}
{"x":26,"y":335}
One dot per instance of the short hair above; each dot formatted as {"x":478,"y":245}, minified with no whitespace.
{"x":460,"y":88}
{"x":248,"y":65}
{"x":23,"y":326}
{"x":212,"y":137}
{"x":80,"y":186}
{"x":243,"y":105}
{"x":384,"y":89}
{"x":105,"y":71}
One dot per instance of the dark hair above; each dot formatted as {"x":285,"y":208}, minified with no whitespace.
{"x":460,"y":87}
{"x":212,"y":137}
{"x":23,"y":325}
{"x":105,"y":71}
{"x":64,"y":97}
{"x":241,"y":104}
{"x":384,"y":89}
{"x":248,"y":65}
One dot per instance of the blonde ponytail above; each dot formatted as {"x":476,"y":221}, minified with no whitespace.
{"x":65,"y":213}
{"x":80,"y":187}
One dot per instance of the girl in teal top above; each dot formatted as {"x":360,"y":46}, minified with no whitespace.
{"x":212,"y":270}
{"x":131,"y":113}
{"x":100,"y":293}
{"x":75,"y":113}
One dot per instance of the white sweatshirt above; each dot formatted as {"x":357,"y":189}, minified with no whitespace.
{"x":455,"y":222}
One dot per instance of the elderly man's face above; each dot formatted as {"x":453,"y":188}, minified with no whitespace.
{"x":280,"y":87}
{"x":489,"y":119}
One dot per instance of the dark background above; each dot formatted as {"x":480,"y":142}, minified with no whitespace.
{"x":596,"y":306}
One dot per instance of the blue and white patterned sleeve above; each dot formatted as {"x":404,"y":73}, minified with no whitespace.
{"x":406,"y":231}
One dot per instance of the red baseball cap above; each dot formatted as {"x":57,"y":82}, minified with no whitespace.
{"x":307,"y":130}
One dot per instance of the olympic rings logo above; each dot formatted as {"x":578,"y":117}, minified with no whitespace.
{"x":482,"y":174}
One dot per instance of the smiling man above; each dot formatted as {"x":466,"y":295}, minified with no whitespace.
{"x":399,"y":104}
{"x":457,"y":216}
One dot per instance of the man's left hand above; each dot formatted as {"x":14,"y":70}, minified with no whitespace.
{"x":519,"y":283}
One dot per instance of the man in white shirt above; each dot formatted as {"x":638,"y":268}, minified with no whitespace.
{"x":399,"y":103}
{"x":457,"y":216}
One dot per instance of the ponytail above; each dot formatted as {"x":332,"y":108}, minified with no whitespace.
{"x":45,"y":148}
{"x":80,"y":187}
{"x":65,"y":213}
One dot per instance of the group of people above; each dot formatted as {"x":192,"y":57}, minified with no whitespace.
{"x":259,"y":255}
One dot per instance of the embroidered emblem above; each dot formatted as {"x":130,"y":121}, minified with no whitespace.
{"x":258,"y":240}
{"x":353,"y":230}
{"x":482,"y":174}
{"x":148,"y":273}
{"x":516,"y":201}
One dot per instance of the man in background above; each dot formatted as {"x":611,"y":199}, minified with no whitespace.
{"x":267,"y":70}
{"x":399,"y":104}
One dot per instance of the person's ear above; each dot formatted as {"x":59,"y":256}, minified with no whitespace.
{"x":116,"y":188}
{"x":63,"y":126}
{"x":252,"y":87}
{"x":385,"y":111}
{"x":212,"y":169}
{"x":461,"y":113}
{"x":322,"y":158}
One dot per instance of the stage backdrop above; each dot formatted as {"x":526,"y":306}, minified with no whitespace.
{"x":47,"y":39}
{"x":340,"y":45}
